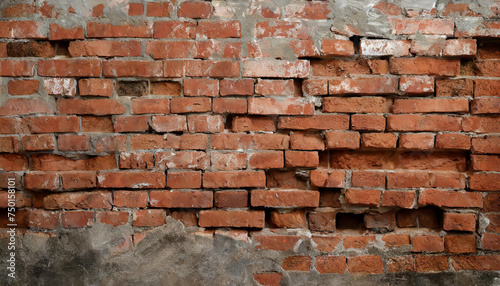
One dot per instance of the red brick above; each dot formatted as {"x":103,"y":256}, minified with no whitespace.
{"x":184,"y":180}
{"x":109,"y":143}
{"x":281,"y":29}
{"x":337,"y":47}
{"x":16,"y":68}
{"x":427,"y":105}
{"x":95,"y":87}
{"x":409,"y":26}
{"x":368,"y":122}
{"x":139,"y":160}
{"x":230,"y":161}
{"x":293,"y":219}
{"x":131,"y":123}
{"x":270,"y":106}
{"x":416,"y":141}
{"x":327,"y":179}
{"x":428,"y":243}
{"x":421,"y":179}
{"x":95,"y":124}
{"x":276,"y":68}
{"x":489,"y":68}
{"x":249,"y":141}
{"x":181,"y":199}
{"x":236,"y":87}
{"x":425,"y":66}
{"x":460,"y":243}
{"x":455,"y":87}
{"x":363,"y":197}
{"x":305,"y":141}
{"x":150,"y":105}
{"x":23,"y":87}
{"x":335,"y":68}
{"x":358,"y":242}
{"x":275,"y":87}
{"x":78,"y":200}
{"x":401,"y":264}
{"x":485,"y":145}
{"x":136,"y":180}
{"x":43,"y":142}
{"x":60,"y":86}
{"x":195,"y":10}
{"x":43,"y":219}
{"x":402,"y":199}
{"x":159,"y":9}
{"x":149,"y":217}
{"x":78,"y":180}
{"x":101,"y":48}
{"x":170,"y":123}
{"x":73,"y":219}
{"x":378,"y":140}
{"x":432,"y":263}
{"x":252,"y":123}
{"x":201,"y":87}
{"x":356,"y":104}
{"x":490,"y":241}
{"x":308,"y":10}
{"x":217,"y":218}
{"x":296,"y":263}
{"x":174,"y":29}
{"x":380,"y":221}
{"x":369,"y":264}
{"x":188,"y":218}
{"x":97,"y":30}
{"x":423,"y":123}
{"x":70,"y":68}
{"x":218,"y":29}
{"x":454,"y":199}
{"x":130,"y":199}
{"x":371,"y":86}
{"x":415,"y":85}
{"x":342,"y":140}
{"x":266,"y":160}
{"x":485,"y":162}
{"x":368,"y":179}
{"x":229,"y":105}
{"x":117,"y":68}
{"x":114,"y":218}
{"x":268,"y":279}
{"x":314,"y":122}
{"x":378,"y":48}
{"x":231,"y":199}
{"x":182,"y":160}
{"x":396,"y":240}
{"x":234,"y":179}
{"x":484,"y":182}
{"x":9,"y":144}
{"x":205,"y":123}
{"x":50,"y":162}
{"x":60,"y":33}
{"x":483,"y":262}
{"x":330,"y":264}
{"x":486,"y":87}
{"x":18,"y":10}
{"x":301,"y":159}
{"x":284,"y":198}
{"x":485,"y":105}
{"x":453,"y":141}
{"x":41,"y":181}
{"x":21,"y":30}
{"x":188,"y":105}
{"x":460,"y":48}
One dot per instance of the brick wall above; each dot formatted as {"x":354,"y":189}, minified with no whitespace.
{"x":276,"y":123}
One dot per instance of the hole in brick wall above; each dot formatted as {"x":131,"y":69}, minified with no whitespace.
{"x":229,"y":121}
{"x":329,"y":197}
{"x":468,"y":67}
{"x":488,"y":49}
{"x":297,"y":84}
{"x":428,"y":217}
{"x":62,"y":48}
{"x":356,"y":42}
{"x":349,"y":221}
{"x":132,"y":88}
{"x":41,"y":49}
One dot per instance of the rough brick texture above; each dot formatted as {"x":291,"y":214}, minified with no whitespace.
{"x":271,"y":122}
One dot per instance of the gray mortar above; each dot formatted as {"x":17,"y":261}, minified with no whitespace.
{"x":174,"y":255}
